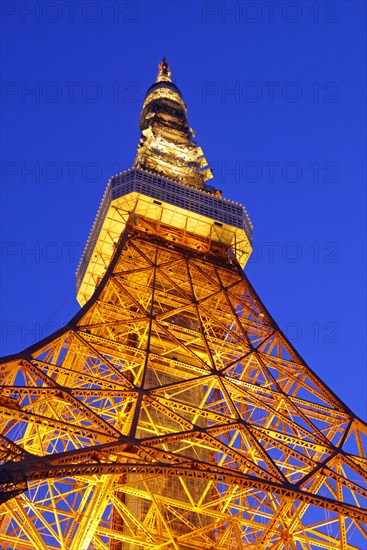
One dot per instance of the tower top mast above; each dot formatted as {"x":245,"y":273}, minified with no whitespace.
{"x":164,"y":72}
{"x":166,"y":145}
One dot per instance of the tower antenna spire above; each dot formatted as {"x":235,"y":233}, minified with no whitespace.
{"x":164,"y":72}
{"x":166,"y":145}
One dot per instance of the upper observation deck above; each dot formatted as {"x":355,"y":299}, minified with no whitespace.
{"x":147,"y":201}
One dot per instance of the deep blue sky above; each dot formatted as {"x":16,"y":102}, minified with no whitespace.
{"x":293,"y":131}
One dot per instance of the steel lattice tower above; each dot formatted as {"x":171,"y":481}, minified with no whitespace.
{"x":171,"y":412}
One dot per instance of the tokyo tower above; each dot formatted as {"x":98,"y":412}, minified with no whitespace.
{"x":171,"y":412}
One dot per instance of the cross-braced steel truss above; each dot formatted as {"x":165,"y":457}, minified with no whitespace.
{"x":172,"y":413}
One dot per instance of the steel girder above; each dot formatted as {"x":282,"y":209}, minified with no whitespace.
{"x":172,"y":413}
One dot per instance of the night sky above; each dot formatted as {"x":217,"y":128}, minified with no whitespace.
{"x":276,"y":94}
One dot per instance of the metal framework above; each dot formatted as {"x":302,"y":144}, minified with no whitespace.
{"x":172,"y":413}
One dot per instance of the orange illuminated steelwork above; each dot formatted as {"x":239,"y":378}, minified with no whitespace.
{"x":171,"y":412}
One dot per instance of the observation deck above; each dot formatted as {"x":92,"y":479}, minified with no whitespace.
{"x":170,"y":209}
